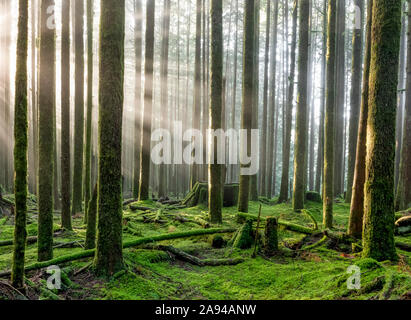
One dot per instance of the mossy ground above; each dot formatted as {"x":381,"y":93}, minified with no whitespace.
{"x":320,"y":273}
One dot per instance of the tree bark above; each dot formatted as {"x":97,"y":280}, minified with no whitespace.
{"x":378,"y":229}
{"x":300,"y":146}
{"x":109,"y":256}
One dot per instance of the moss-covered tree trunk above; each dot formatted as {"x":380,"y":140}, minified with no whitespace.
{"x":285,"y":175}
{"x":87,"y":153}
{"x":300,"y":146}
{"x":109,"y":256}
{"x":215,"y":201}
{"x":20,"y":148}
{"x":378,"y":229}
{"x":246,"y":111}
{"x":148,"y":103}
{"x":328,"y":193}
{"x":90,"y":242}
{"x":403,"y":196}
{"x":269,"y":144}
{"x":357,"y":199}
{"x":65,"y":117}
{"x":355,"y":99}
{"x":165,"y":43}
{"x":47,"y":94}
{"x":138,"y":29}
{"x":77,"y":192}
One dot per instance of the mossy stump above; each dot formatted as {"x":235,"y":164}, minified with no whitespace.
{"x":271,"y":236}
{"x":199,"y":195}
{"x":313,"y":196}
{"x":243,"y":239}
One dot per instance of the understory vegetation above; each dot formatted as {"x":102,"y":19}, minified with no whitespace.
{"x":298,"y":270}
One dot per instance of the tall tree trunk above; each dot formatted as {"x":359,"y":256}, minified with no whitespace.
{"x":263,"y":152}
{"x":162,"y":191}
{"x":378,"y":229}
{"x":215,"y":201}
{"x":148,"y":103}
{"x":403,"y":196}
{"x":355,"y":223}
{"x":234,"y":92}
{"x":65,"y":117}
{"x":253,"y":178}
{"x":340,"y":98}
{"x":330,"y":106}
{"x":289,"y":113}
{"x":77,"y":192}
{"x":89,"y":128}
{"x":272,"y":104}
{"x":47,"y":94}
{"x":195,"y":168}
{"x":138,"y":29}
{"x":20,"y":148}
{"x":401,"y":93}
{"x":320,"y":152}
{"x":301,"y":117}
{"x":109,"y":256}
{"x":34,"y":126}
{"x":246,"y":112}
{"x":355,"y":98}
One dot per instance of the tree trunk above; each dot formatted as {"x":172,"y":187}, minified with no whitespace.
{"x":263,"y":152}
{"x":246,"y":112}
{"x":355,"y":223}
{"x":300,"y":146}
{"x":403,"y":197}
{"x":355,"y":99}
{"x":138,"y":29}
{"x":162,"y":191}
{"x":77,"y":192}
{"x":46,"y":134}
{"x":65,"y":117}
{"x":109,"y":256}
{"x":148,"y":103}
{"x":289,"y":113}
{"x":330,"y":106}
{"x":87,"y":155}
{"x":20,"y":148}
{"x":378,"y":236}
{"x":215,"y":201}
{"x":271,"y":105}
{"x":195,"y":168}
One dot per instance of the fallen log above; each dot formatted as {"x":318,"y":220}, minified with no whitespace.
{"x":403,"y":246}
{"x":184,"y":256}
{"x":287,"y":225}
{"x":132,"y":243}
{"x":140,"y":208}
{"x":30,"y":240}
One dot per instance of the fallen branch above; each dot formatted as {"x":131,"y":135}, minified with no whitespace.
{"x":308,"y":213}
{"x":133,"y":243}
{"x":288,"y":225}
{"x":403,"y":246}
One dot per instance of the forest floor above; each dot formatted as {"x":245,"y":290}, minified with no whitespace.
{"x":319,"y":273}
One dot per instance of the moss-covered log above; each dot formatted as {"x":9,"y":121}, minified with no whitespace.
{"x":132,"y":243}
{"x":287,"y":225}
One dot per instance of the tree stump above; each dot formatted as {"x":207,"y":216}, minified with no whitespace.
{"x":271,"y":236}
